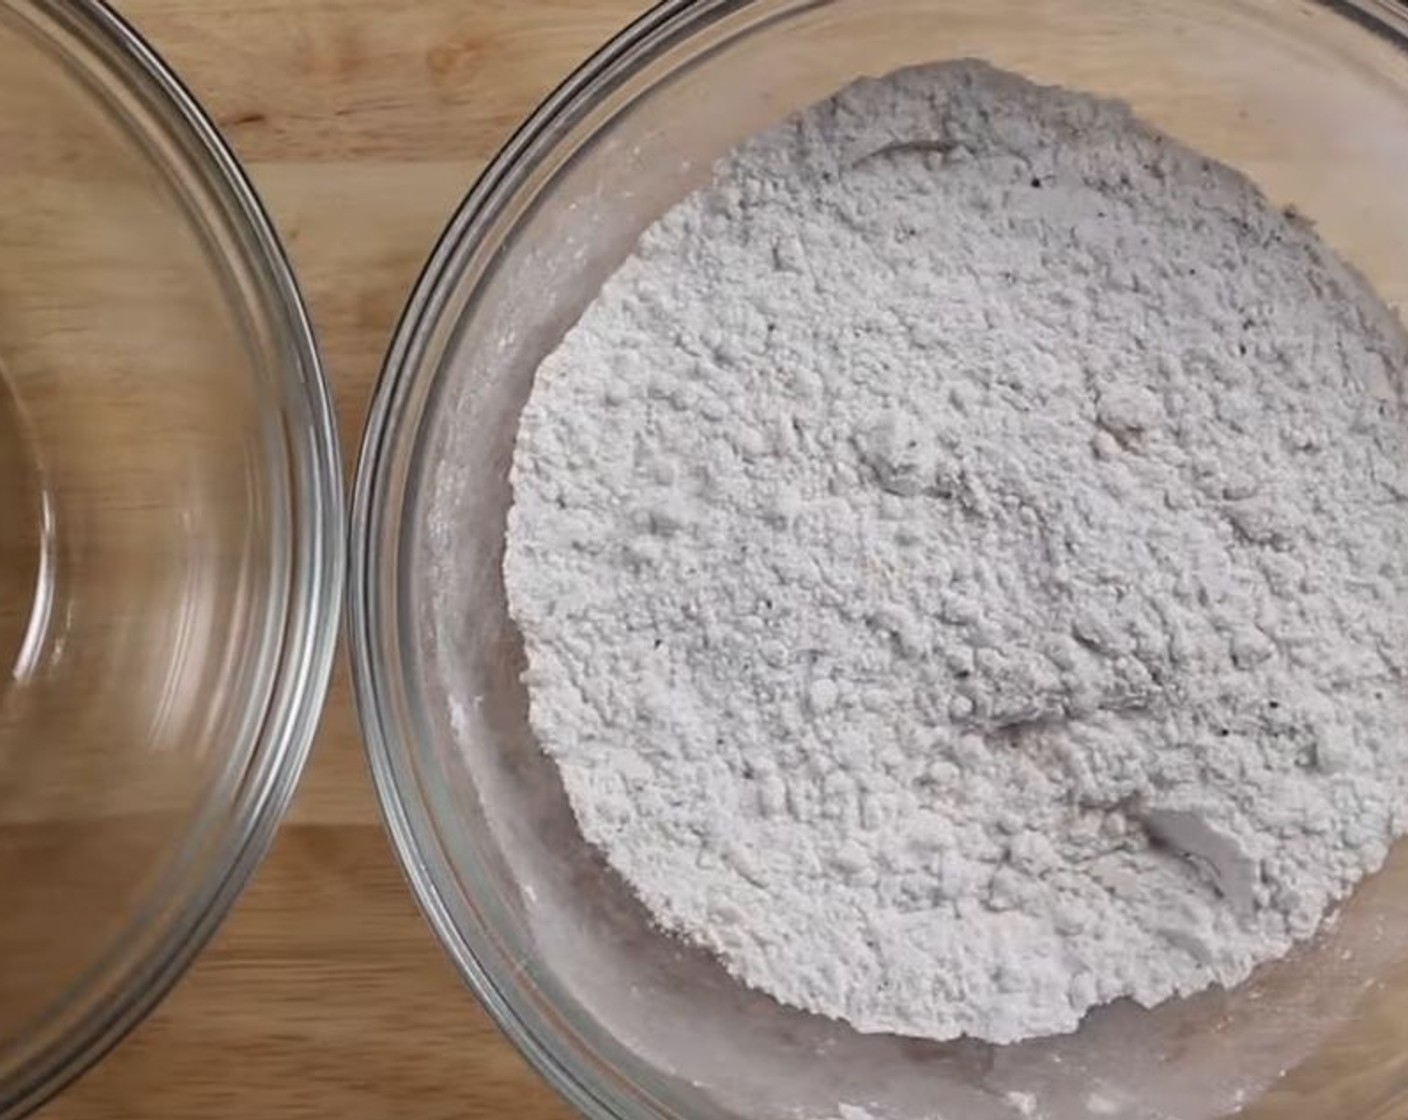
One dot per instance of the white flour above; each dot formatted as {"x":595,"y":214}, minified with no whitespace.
{"x":961,"y":558}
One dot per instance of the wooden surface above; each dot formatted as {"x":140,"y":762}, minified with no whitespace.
{"x":362,"y":122}
{"x":325,"y":994}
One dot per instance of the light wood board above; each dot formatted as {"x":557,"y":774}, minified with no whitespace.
{"x":326,"y":995}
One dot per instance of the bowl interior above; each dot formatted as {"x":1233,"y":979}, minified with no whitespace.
{"x":153,"y":443}
{"x":1310,"y":100}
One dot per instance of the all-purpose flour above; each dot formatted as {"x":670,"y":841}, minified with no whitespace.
{"x":961,"y":558}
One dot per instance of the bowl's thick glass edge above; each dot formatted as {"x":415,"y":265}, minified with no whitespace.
{"x":310,"y":628}
{"x":1388,"y":18}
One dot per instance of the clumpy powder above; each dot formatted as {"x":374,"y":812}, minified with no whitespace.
{"x":961,"y":561}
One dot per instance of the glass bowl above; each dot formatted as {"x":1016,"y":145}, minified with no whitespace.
{"x":170,"y":536}
{"x":1309,"y":99}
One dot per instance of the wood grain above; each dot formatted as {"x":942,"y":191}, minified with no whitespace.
{"x":325,"y":995}
{"x":362,"y":124}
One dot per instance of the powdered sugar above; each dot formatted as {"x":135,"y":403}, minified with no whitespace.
{"x":960,"y":558}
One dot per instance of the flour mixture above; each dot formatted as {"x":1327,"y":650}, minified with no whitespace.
{"x":961,"y":562}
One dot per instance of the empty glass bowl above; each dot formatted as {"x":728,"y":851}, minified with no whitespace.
{"x":170,"y":536}
{"x":1310,"y":99}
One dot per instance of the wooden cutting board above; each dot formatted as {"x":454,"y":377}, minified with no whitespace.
{"x":362,"y":123}
{"x":325,"y":994}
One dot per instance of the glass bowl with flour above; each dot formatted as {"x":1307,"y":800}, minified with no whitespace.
{"x":879,"y":588}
